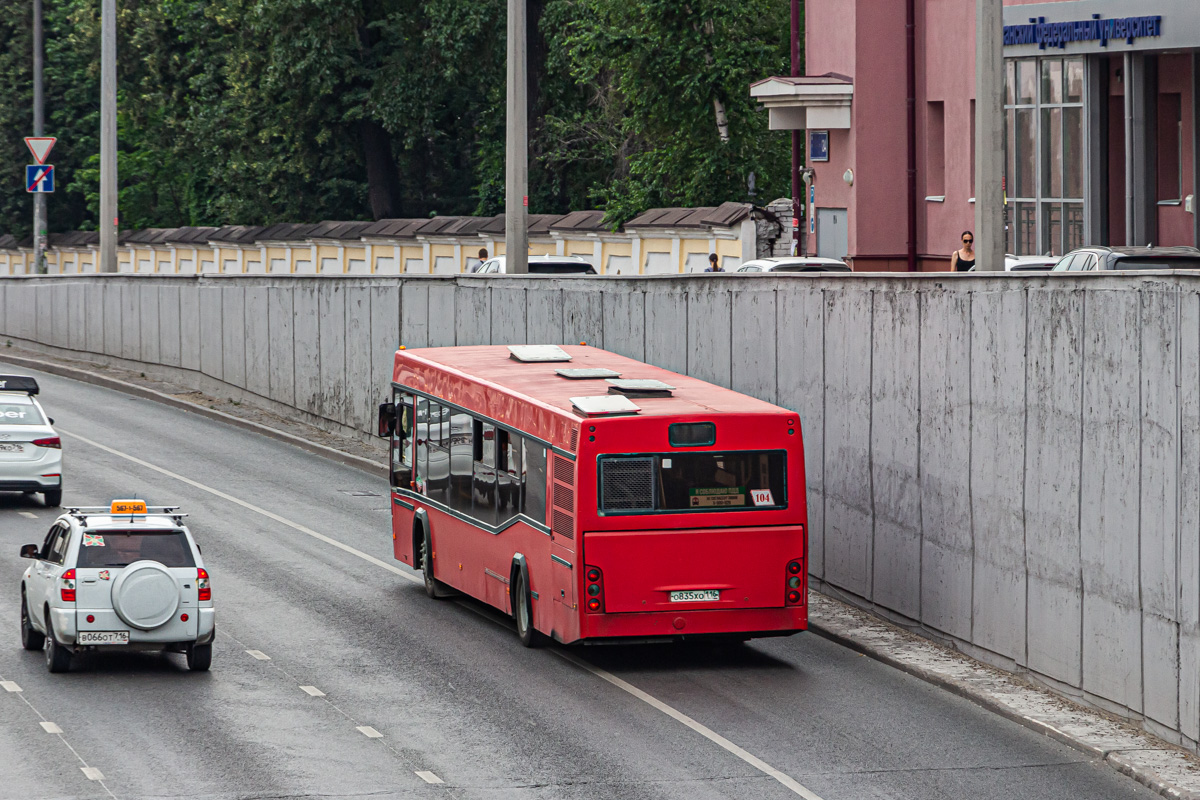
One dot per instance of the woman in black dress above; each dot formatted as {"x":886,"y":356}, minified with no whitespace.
{"x":964,"y":259}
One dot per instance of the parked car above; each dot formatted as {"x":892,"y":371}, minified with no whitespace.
{"x":795,"y":264}
{"x":1089,"y":259}
{"x":30,"y":449}
{"x":539,"y":265}
{"x":1029,"y":263}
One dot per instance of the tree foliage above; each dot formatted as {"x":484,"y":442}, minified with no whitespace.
{"x":259,"y":111}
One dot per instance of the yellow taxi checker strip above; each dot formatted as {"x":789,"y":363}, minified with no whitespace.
{"x":782,"y":778}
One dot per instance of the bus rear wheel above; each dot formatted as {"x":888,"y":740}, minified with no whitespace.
{"x":523,"y":612}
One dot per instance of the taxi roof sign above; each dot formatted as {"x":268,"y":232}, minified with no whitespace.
{"x":128,"y":507}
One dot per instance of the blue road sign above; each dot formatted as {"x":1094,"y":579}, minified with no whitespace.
{"x":39,"y":178}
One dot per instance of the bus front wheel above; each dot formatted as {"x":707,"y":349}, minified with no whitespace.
{"x":433,"y":587}
{"x":523,"y":612}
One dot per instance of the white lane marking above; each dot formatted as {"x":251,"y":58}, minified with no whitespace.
{"x":786,"y":780}
{"x":428,"y":776}
{"x":250,"y":506}
{"x":92,"y":774}
{"x":50,"y":727}
{"x":714,"y":737}
{"x":369,"y":732}
{"x":313,"y":691}
{"x":10,"y":686}
{"x":28,"y":514}
{"x":259,"y":654}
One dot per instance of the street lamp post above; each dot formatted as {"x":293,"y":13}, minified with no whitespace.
{"x":989,"y":135}
{"x":516,"y":153}
{"x":108,"y":136}
{"x":39,"y":129}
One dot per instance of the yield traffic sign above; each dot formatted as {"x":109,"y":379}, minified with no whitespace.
{"x":40,"y":146}
{"x":39,"y":178}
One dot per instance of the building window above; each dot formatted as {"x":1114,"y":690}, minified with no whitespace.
{"x":1170,"y":148}
{"x":935,"y":149}
{"x":1044,"y":158}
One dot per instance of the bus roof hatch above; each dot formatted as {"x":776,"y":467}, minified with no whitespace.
{"x":604,"y":405}
{"x":533,"y":353}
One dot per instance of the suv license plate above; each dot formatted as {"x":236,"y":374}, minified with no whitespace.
{"x":102,"y":637}
{"x":696,"y":596}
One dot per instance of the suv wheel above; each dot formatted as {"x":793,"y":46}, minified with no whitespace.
{"x":53,"y":497}
{"x":58,"y":658}
{"x":30,"y":638}
{"x":199,"y":657}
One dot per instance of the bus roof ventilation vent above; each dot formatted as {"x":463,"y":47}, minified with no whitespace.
{"x":585,"y":374}
{"x":604,"y":405}
{"x":537,"y":353}
{"x":639,"y":388}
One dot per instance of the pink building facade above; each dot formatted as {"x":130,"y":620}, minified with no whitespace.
{"x":1100,"y":126}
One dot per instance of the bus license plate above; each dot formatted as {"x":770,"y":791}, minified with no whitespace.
{"x":102,"y":637}
{"x":696,"y":596}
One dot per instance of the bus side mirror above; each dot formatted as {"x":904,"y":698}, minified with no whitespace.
{"x":387,"y":419}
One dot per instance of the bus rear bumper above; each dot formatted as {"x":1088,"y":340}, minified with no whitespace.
{"x":716,"y":623}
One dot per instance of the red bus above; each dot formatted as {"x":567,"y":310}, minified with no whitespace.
{"x":592,"y":496}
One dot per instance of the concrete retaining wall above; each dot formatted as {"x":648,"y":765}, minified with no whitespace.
{"x":1008,"y":462}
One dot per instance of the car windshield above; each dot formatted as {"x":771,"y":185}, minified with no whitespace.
{"x":1170,"y":262}
{"x":19,"y":411}
{"x":559,"y":268}
{"x":116,"y":548}
{"x":705,"y":481}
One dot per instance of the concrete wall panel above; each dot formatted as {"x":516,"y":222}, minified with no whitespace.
{"x":508,"y":316}
{"x":331,"y":306}
{"x":258,"y":341}
{"x":473,"y":314}
{"x":414,"y":314}
{"x":442,"y":311}
{"x":360,"y":392}
{"x":710,"y":334}
{"x":151,"y":343}
{"x":306,"y":337}
{"x":189,"y":325}
{"x":42,"y":308}
{"x":947,"y":559}
{"x":78,"y":309}
{"x":93,"y":320}
{"x":211,"y":344}
{"x":131,"y":321}
{"x":583,"y":316}
{"x":667,"y":342}
{"x":1112,"y":666}
{"x":168,"y":325}
{"x":849,"y":526}
{"x":544,"y":313}
{"x":112,"y":318}
{"x":1188,"y":531}
{"x":752,"y":349}
{"x":895,"y":483}
{"x":385,"y":338}
{"x":281,"y":357}
{"x":58,"y":316}
{"x":800,"y":359}
{"x":998,"y":470}
{"x":625,"y":321}
{"x":1053,"y":442}
{"x":233,"y":335}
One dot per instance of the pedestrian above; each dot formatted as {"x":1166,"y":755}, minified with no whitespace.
{"x":712,"y":264}
{"x":963,"y":260}
{"x":483,"y":254}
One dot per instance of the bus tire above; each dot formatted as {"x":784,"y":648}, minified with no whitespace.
{"x":433,"y":587}
{"x":523,"y":612}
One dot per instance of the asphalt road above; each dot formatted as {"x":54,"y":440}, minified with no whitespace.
{"x":402,"y":684}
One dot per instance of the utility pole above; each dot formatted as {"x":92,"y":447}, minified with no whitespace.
{"x":39,"y":129}
{"x":989,"y":135}
{"x":797,"y":191}
{"x":516,"y":150}
{"x":108,"y":136}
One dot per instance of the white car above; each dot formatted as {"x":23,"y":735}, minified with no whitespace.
{"x":795,"y":264}
{"x":30,"y":450}
{"x":1029,"y":263}
{"x":540,"y":265}
{"x":119,"y":577}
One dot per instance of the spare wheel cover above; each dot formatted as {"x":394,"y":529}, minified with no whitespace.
{"x":145,"y":595}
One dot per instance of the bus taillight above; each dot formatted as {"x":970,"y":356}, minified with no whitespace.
{"x":595,"y":590}
{"x":794,"y":591}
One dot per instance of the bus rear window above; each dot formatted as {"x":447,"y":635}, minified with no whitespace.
{"x":685,"y":482}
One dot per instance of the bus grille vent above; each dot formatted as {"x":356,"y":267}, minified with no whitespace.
{"x":562,"y":524}
{"x":627,"y":484}
{"x":574,"y":439}
{"x":564,"y":471}
{"x":564,"y":497}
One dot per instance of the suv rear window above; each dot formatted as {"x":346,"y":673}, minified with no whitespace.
{"x":561,"y":268}
{"x":19,"y":411}
{"x":1177,"y":262}
{"x":685,"y":482}
{"x":115,"y":548}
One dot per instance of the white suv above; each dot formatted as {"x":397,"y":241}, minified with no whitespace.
{"x":120,"y":577}
{"x":30,"y":449}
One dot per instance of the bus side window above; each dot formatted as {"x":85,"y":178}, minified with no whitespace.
{"x":462,"y":451}
{"x":402,"y":441}
{"x":533,"y":484}
{"x":508,"y":475}
{"x":437,"y":475}
{"x":483,"y":491}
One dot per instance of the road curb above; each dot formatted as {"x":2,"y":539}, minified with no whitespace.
{"x":108,"y":382}
{"x":855,"y":630}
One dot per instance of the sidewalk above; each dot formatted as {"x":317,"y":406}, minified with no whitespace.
{"x":1170,"y":771}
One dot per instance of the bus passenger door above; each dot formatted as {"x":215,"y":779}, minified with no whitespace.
{"x":563,"y":569}
{"x":401,"y":477}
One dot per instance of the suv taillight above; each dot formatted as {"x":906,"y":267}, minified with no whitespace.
{"x":49,"y":441}
{"x":794,"y":588}
{"x":594,"y":601}
{"x":202,"y":585}
{"x":66,"y":587}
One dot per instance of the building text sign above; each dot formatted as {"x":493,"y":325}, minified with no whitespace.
{"x":1060,"y":34}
